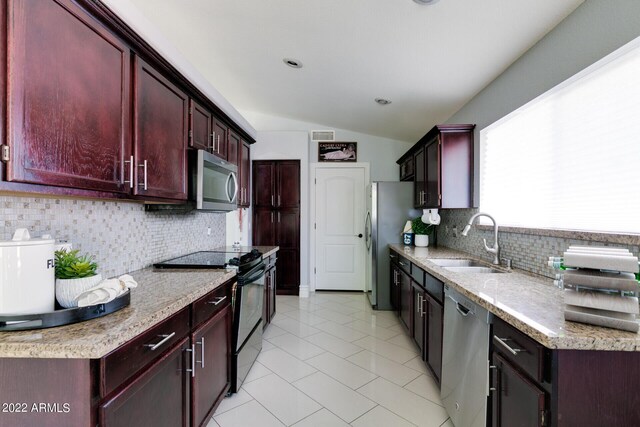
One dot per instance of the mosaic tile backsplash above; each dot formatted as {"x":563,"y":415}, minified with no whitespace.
{"x":121,"y":235}
{"x":528,"y":252}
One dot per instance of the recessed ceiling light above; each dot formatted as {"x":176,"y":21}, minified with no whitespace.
{"x":293,"y":63}
{"x":426,"y":2}
{"x":382,"y":101}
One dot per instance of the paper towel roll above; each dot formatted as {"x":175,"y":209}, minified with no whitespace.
{"x":430,"y":216}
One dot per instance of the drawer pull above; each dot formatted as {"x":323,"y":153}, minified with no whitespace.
{"x":192,"y":350}
{"x":165,"y":338}
{"x":502,"y":342}
{"x":402,"y":263}
{"x":218,"y":300}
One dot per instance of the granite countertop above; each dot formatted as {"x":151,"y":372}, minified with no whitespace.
{"x":160,"y":293}
{"x":530,"y":303}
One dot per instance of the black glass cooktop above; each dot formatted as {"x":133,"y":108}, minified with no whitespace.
{"x":210,"y":259}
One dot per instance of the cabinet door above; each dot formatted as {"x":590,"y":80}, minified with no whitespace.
{"x":406,"y":302}
{"x":419,"y":178}
{"x":245,"y":165}
{"x":264,"y":227}
{"x":516,"y":400}
{"x":157,"y":398}
{"x":395,"y":288}
{"x":199,"y":126}
{"x":161,"y":131}
{"x":419,"y":318}
{"x":266,"y":299}
{"x":432,"y":185}
{"x":69,"y":98}
{"x":272,"y":293}
{"x":220,"y":138}
{"x":233,"y":153}
{"x":212,"y":349}
{"x":288,"y":277}
{"x":264,"y":177}
{"x":433,"y":345}
{"x":288,"y":185}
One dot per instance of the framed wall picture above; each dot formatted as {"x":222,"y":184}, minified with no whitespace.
{"x":337,"y":151}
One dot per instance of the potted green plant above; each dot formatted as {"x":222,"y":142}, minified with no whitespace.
{"x":421,"y":231}
{"x":75,"y":274}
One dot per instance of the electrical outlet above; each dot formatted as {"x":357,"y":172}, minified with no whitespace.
{"x":446,"y":229}
{"x":455,"y":231}
{"x":208,"y":231}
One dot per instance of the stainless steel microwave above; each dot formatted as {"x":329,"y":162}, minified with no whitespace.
{"x":214,"y":182}
{"x":213,"y":186}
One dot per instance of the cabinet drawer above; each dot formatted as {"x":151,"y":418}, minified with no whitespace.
{"x":418,"y":274}
{"x":522,"y":351}
{"x":404,"y":264}
{"x":435,"y":287}
{"x":131,"y":357}
{"x":211,"y":303}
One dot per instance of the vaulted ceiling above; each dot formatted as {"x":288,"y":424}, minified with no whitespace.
{"x":428,"y":60}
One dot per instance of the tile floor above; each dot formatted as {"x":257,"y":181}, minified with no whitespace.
{"x":330,"y":360}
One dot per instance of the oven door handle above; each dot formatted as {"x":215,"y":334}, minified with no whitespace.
{"x":256,"y":276}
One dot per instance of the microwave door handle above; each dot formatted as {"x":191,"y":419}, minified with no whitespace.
{"x":235,"y":186}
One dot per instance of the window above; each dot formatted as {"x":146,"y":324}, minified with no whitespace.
{"x":570,"y":159}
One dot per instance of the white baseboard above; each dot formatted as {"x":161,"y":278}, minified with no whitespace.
{"x":304,"y":291}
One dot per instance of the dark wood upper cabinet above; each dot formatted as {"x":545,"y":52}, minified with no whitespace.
{"x":264,"y":177}
{"x":245,"y":172}
{"x":69,"y":98}
{"x":161,"y":129}
{"x":233,"y":147}
{"x":443,"y":165}
{"x":219,"y":139}
{"x":200,"y":121}
{"x":288,"y":185}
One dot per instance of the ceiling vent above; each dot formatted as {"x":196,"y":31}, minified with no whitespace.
{"x":323,"y":135}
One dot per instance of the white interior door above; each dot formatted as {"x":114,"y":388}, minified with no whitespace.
{"x":340,"y":227}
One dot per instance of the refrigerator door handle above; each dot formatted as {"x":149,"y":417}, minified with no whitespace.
{"x":367,"y":231}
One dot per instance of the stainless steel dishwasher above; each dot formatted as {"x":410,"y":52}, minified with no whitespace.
{"x":465,"y":360}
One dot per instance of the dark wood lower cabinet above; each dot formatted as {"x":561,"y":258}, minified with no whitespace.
{"x":210,"y":381}
{"x":406,"y":306}
{"x":419,"y":318}
{"x":156,"y":398}
{"x":434,"y":317}
{"x":395,"y":287}
{"x":269,"y":305}
{"x":516,"y":400}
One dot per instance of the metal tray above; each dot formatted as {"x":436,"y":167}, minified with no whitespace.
{"x":22,"y":322}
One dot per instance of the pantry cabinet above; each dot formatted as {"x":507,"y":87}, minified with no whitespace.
{"x":160,"y":135}
{"x":276,"y":217}
{"x":68,"y":103}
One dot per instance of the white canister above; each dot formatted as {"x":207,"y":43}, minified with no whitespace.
{"x":27,"y":274}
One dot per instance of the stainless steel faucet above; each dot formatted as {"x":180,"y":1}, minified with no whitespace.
{"x":495,"y":250}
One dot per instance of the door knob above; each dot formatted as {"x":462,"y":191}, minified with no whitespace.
{"x":359,"y":235}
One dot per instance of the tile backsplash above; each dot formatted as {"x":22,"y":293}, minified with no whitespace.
{"x":121,"y":235}
{"x":528,"y":251}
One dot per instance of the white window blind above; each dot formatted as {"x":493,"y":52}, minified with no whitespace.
{"x":570,"y":159}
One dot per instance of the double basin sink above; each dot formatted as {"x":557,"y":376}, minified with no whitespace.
{"x":463,"y":265}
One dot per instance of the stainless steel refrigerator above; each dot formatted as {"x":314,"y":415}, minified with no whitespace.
{"x":390,"y":205}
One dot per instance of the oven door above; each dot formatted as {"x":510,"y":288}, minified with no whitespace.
{"x":248,"y":304}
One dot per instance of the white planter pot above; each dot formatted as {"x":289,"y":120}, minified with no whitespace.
{"x":68,"y":290}
{"x":421,"y":240}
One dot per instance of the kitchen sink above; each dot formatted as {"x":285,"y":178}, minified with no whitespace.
{"x":473,"y":269}
{"x":450,"y":262}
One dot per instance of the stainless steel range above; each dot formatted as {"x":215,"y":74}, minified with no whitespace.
{"x":247,"y":300}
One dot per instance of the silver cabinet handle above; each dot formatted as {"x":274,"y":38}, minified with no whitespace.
{"x":421,"y":305}
{"x":278,"y":217}
{"x":278,"y":200}
{"x":144,"y":184}
{"x":402,"y":263}
{"x":130,"y":181}
{"x":272,"y":200}
{"x":211,"y":146}
{"x":201,"y":344}
{"x":271,"y":217}
{"x":418,"y":304}
{"x":218,"y":149}
{"x":502,"y":342}
{"x":217,"y":301}
{"x":165,"y":338}
{"x":192,"y":350}
{"x":393,"y":256}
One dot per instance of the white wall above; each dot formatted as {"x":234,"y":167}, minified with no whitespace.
{"x":380,"y":153}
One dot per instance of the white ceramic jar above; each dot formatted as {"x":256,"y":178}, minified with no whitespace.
{"x":27,"y":274}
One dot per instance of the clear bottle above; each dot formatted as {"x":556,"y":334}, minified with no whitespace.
{"x":556,"y":263}
{"x":559,"y":281}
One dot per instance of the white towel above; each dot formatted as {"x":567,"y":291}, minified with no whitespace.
{"x":106,"y":291}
